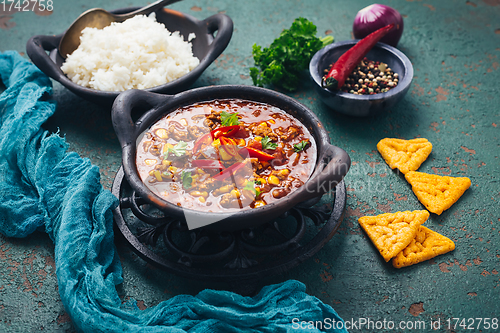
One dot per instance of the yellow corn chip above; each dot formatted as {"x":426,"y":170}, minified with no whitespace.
{"x":426,"y":245}
{"x":437,"y":193}
{"x":392,"y":232}
{"x":406,"y":155}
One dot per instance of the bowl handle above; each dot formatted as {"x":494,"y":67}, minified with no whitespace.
{"x":123,"y":106}
{"x":224,"y":27}
{"x":333,"y":165}
{"x":36,"y":48}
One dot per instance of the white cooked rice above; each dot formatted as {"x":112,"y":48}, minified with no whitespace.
{"x":138,"y":53}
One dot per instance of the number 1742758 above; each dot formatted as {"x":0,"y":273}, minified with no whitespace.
{"x":26,"y":5}
{"x":489,"y":324}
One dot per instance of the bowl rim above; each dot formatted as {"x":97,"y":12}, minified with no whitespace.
{"x":166,"y":104}
{"x":315,"y":75}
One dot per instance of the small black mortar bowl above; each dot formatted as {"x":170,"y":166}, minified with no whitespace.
{"x":332,"y":162}
{"x":361,"y":105}
{"x":206,"y":48}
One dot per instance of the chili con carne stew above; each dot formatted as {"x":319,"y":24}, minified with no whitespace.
{"x":225,"y":155}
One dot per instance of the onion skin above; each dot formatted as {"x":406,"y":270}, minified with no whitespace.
{"x":376,"y":16}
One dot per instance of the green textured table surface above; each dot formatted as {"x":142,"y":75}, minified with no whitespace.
{"x":453,"y":102}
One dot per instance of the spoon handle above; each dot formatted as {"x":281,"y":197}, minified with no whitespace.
{"x":148,"y":9}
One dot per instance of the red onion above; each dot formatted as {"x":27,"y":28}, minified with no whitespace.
{"x":376,"y":16}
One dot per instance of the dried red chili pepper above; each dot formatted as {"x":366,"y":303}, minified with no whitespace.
{"x":344,"y":66}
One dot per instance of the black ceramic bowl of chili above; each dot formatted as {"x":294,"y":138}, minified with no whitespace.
{"x":330,"y":166}
{"x":361,"y":105}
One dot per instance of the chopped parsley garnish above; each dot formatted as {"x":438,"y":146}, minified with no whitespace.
{"x":178,"y":150}
{"x":268,"y":144}
{"x":187,"y":179}
{"x":302,"y":145}
{"x":288,"y":55}
{"x":250,"y":186}
{"x":229,"y":119}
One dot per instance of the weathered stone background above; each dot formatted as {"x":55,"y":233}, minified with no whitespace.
{"x":453,"y":102}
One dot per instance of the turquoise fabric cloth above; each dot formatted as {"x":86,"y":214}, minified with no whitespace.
{"x":44,"y":187}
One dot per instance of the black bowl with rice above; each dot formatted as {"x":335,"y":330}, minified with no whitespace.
{"x":208,"y":39}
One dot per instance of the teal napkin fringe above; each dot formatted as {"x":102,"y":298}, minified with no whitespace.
{"x":44,"y":187}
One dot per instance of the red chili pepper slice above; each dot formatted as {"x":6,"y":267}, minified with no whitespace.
{"x":216,"y":134}
{"x":225,"y":131}
{"x":252,"y":152}
{"x":228,"y":145}
{"x":208,"y":164}
{"x":229,"y":171}
{"x":200,"y":141}
{"x":255,"y":144}
{"x":344,"y":66}
{"x":226,"y":141}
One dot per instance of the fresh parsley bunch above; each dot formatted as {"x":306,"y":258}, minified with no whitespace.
{"x":282,"y":62}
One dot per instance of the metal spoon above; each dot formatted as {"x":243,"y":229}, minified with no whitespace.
{"x":100,"y":18}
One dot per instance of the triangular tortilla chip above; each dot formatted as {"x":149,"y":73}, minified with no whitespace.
{"x":437,"y":193}
{"x":426,"y":245}
{"x":406,"y":155}
{"x":392,"y":232}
